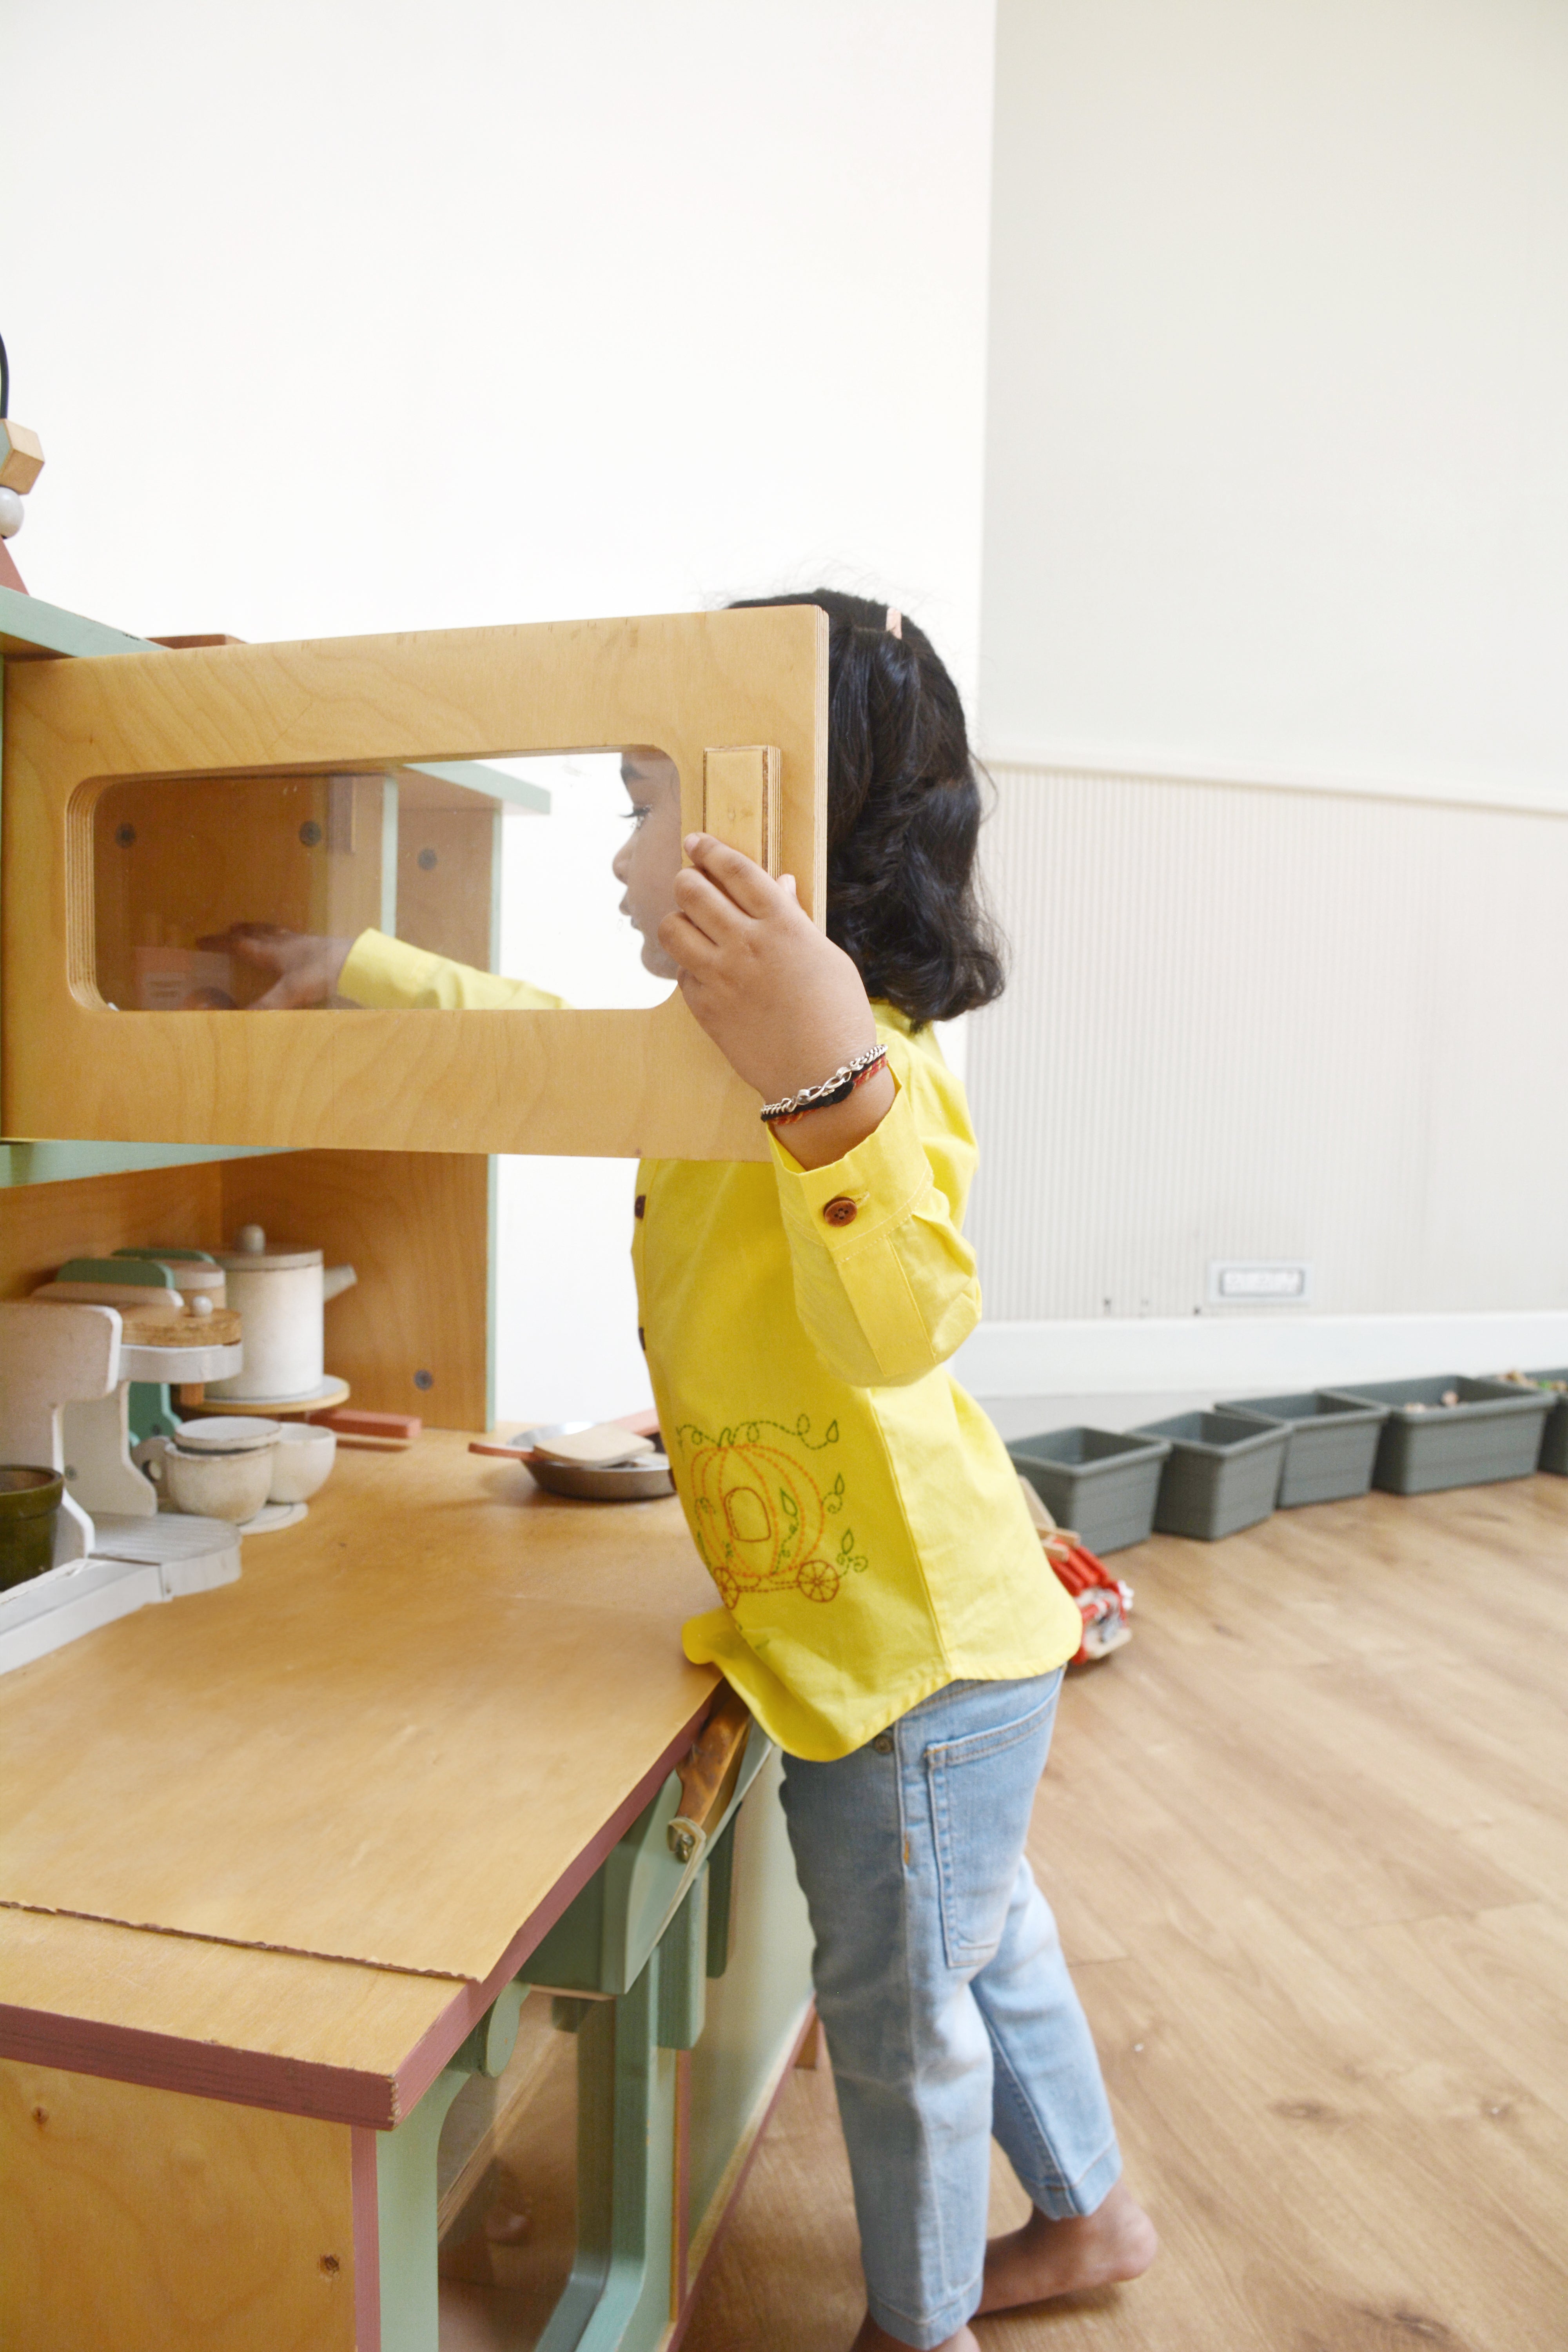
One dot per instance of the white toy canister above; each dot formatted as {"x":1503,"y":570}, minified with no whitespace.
{"x":279,"y":1294}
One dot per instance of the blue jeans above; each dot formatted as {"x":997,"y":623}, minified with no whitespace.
{"x":940,"y":1984}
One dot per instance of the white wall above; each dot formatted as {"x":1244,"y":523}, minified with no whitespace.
{"x":1279,"y":365}
{"x":1277,"y":1027}
{"x":1275,"y":491}
{"x":339,"y":318}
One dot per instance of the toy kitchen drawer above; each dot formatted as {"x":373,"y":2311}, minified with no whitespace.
{"x":207,"y":852}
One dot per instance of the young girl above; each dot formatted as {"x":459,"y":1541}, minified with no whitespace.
{"x":886,"y":1613}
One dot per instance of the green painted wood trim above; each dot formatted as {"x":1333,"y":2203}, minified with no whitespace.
{"x":62,"y":1163}
{"x":140,"y":1273}
{"x":405,"y":2182}
{"x":150,"y":1411}
{"x":476,"y":777}
{"x":406,"y":2203}
{"x":617,"y":2297}
{"x":28,"y":624}
{"x":757,"y":2007}
{"x":683,"y":1972}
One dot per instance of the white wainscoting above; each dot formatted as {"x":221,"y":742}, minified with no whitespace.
{"x":1263,"y":1022}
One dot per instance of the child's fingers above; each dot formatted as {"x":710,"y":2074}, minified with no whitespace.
{"x":738,"y":877}
{"x":692,"y":950}
{"x":707,"y":906}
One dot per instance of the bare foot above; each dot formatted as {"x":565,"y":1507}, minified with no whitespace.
{"x":873,"y":2338}
{"x":1047,"y":2258}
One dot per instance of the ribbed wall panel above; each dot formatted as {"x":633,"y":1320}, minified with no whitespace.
{"x":1262,"y":1024}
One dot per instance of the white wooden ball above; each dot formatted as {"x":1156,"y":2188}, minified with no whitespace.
{"x":10,"y":514}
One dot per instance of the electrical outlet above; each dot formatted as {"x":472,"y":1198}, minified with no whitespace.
{"x":1260,"y":1282}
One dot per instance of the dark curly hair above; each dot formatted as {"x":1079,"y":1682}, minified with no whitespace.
{"x":903,"y":817}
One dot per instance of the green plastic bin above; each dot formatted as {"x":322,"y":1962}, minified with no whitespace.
{"x":1332,"y":1444}
{"x":1222,"y":1474}
{"x":1493,"y":1433}
{"x":1099,"y":1482}
{"x":1554,"y":1442}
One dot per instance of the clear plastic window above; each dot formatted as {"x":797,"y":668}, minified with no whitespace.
{"x":229,"y":893}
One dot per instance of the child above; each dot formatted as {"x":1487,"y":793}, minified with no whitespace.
{"x":886,"y":1613}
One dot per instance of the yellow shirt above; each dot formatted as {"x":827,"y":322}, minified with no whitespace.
{"x":856,"y":1508}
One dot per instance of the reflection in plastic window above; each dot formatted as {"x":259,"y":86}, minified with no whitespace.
{"x":251,"y":892}
{"x":561,"y":922}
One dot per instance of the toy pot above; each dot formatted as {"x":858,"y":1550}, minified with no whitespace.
{"x":209,"y":1485}
{"x":279,"y":1293}
{"x":302,"y":1461}
{"x":29,"y":1511}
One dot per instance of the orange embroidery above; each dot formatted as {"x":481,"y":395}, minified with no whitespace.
{"x":761,"y":1515}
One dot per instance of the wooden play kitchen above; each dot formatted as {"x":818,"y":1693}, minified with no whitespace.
{"x":426,"y":1780}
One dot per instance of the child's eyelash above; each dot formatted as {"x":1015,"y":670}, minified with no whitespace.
{"x":635,"y":815}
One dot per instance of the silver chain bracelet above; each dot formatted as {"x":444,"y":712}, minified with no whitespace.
{"x":837,"y":1088}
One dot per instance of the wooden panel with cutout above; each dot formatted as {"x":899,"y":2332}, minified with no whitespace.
{"x":617,"y":1083}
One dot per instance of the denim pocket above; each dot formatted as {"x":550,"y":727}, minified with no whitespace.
{"x":982,"y":1789}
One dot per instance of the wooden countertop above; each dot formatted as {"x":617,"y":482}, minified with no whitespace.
{"x":310,"y":1821}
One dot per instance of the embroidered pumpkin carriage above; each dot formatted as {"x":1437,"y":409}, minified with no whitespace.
{"x":761,"y":1513}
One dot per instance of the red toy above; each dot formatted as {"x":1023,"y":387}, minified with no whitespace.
{"x":1104,"y":1602}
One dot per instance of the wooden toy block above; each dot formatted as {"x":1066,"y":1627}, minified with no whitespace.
{"x":21,"y":457}
{"x":350,"y":1421}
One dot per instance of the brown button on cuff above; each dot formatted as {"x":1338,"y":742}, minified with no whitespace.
{"x":840,"y":1210}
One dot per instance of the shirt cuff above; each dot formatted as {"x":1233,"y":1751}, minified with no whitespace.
{"x":853,"y":1200}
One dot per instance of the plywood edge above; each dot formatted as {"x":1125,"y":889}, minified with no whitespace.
{"x":376,"y":2098}
{"x":206,"y":2070}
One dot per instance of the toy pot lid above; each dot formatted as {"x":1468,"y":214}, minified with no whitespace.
{"x":229,"y":1433}
{"x":251,"y":1253}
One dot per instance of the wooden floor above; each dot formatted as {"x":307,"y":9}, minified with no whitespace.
{"x":1306,"y":1838}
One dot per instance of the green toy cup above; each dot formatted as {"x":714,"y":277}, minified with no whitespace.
{"x":29,"y":1512}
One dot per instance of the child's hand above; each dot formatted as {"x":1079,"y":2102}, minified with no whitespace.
{"x":783,"y":1005}
{"x":304,"y":968}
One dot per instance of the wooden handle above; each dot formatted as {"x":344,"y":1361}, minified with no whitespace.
{"x":350,"y":1421}
{"x":740,"y":800}
{"x":713,"y":1759}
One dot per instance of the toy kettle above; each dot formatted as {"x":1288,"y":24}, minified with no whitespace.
{"x":280,"y":1290}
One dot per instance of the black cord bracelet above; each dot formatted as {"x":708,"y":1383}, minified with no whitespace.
{"x":835,"y":1089}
